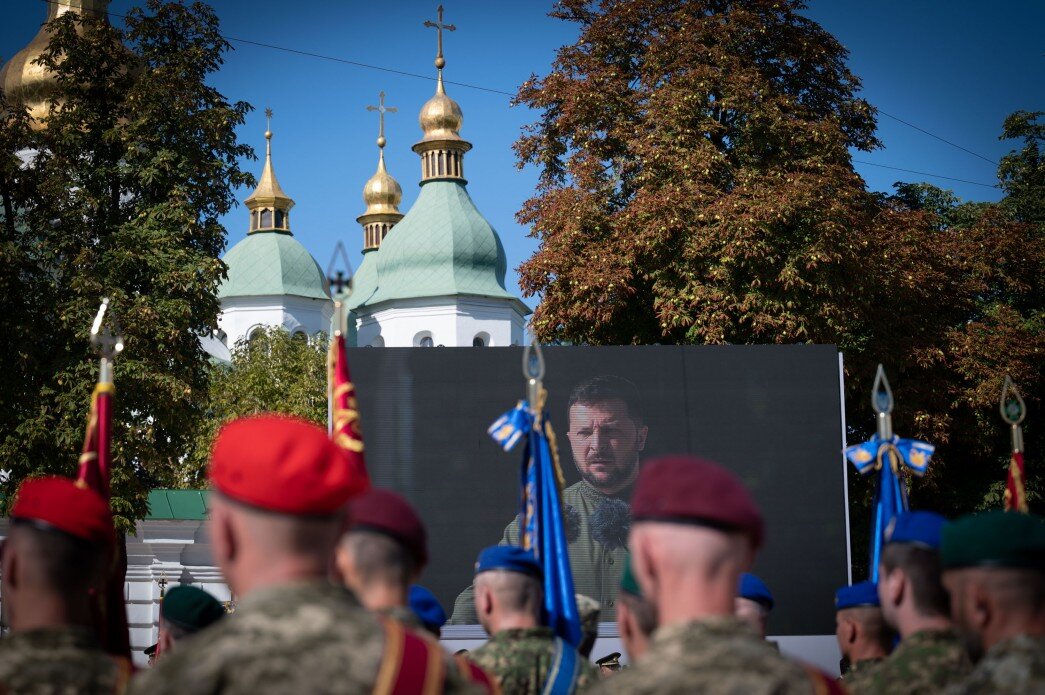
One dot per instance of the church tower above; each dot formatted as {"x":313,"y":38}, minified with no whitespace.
{"x":272,"y":279}
{"x":437,"y":277}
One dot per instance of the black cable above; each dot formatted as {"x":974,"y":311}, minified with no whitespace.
{"x":933,"y":135}
{"x":923,"y":173}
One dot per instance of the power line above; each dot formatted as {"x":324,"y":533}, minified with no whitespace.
{"x":491,"y":90}
{"x":923,"y":173}
{"x":933,"y":135}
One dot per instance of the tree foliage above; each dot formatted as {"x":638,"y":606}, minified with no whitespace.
{"x":271,"y":372}
{"x":696,"y":186}
{"x":120,"y":196}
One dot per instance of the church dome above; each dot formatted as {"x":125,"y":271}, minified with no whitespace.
{"x":382,"y":193}
{"x":364,"y":281}
{"x":443,"y":246}
{"x":441,"y":117}
{"x":272,"y":263}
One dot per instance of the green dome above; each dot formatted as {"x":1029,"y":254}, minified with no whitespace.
{"x":364,"y":280}
{"x":443,"y":246}
{"x":272,"y":263}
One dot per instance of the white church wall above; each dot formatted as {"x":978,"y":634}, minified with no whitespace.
{"x":240,"y":315}
{"x":448,"y":321}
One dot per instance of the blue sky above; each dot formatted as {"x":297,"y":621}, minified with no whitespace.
{"x":955,"y":69}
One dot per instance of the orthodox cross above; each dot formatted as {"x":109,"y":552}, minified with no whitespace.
{"x":163,"y":584}
{"x":268,"y":119}
{"x":439,"y":26}
{"x":381,"y":111}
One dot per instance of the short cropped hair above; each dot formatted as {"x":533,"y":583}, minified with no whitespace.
{"x":922,"y":566}
{"x":644,"y":611}
{"x":378,"y":558}
{"x":68,"y":565}
{"x":609,"y":387}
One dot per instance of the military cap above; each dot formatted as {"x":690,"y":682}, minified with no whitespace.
{"x":589,"y":610}
{"x":61,"y":504}
{"x":611,"y":660}
{"x":190,"y":608}
{"x":861,"y":594}
{"x":994,"y":539}
{"x":687,"y":489}
{"x":426,"y":607}
{"x":281,"y":464}
{"x":916,"y":528}
{"x":628,"y":583}
{"x":389,"y":513}
{"x":511,"y":558}
{"x":754,"y":589}
{"x":150,"y":650}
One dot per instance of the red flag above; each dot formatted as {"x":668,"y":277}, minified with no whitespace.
{"x":95,"y":474}
{"x":345,"y":412}
{"x":1015,"y":493}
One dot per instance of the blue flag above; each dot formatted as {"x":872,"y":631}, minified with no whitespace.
{"x":542,"y":528}
{"x":888,"y":458}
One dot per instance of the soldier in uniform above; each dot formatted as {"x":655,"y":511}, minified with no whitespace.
{"x":185,"y":610}
{"x":589,"y":610}
{"x":382,"y":553}
{"x":609,"y":664}
{"x":276,"y":513}
{"x":863,"y":637}
{"x":525,"y":657}
{"x":696,"y":530}
{"x":607,"y":434}
{"x":58,"y":550}
{"x":754,"y":602}
{"x":428,"y":610}
{"x":636,"y":617}
{"x":994,"y":570}
{"x":914,"y":603}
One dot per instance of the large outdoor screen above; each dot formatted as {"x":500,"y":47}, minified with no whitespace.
{"x":772,"y":414}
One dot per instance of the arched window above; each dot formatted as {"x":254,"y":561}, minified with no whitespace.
{"x":426,"y":342}
{"x":253,"y":221}
{"x":481,"y":340}
{"x":280,"y":219}
{"x":266,"y":218}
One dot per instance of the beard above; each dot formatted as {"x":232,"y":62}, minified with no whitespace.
{"x":611,"y":478}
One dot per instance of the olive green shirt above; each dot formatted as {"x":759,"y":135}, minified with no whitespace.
{"x":924,"y":662}
{"x":520,"y":659}
{"x":56,"y":660}
{"x":1015,"y":665}
{"x":596,"y":567}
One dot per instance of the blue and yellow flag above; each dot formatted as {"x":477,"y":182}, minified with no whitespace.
{"x":888,"y":458}
{"x":542,"y":527}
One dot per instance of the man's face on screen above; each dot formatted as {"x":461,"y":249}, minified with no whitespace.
{"x":606,"y":442}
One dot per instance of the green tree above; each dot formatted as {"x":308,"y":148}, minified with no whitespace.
{"x":128,"y":181}
{"x":1022,"y":173}
{"x":271,"y":372}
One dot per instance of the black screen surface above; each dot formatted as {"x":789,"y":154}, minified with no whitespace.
{"x":769,"y":413}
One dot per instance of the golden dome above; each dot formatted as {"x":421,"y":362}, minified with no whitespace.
{"x":382,"y":193}
{"x":441,"y":117}
{"x":269,"y":193}
{"x":25,"y":81}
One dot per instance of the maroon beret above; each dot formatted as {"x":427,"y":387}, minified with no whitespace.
{"x":687,"y":489}
{"x":389,"y":513}
{"x":281,"y":463}
{"x":66,"y":506}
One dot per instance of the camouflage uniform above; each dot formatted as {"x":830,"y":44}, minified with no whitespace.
{"x":407,"y":617}
{"x":311,"y":637}
{"x":596,"y":566}
{"x":720,"y":655}
{"x":925,"y":662}
{"x":860,"y":670}
{"x":1015,"y":665}
{"x":57,"y":660}
{"x":519,"y":659}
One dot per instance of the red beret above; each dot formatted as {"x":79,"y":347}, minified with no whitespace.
{"x":61,"y":503}
{"x":282,"y":464}
{"x":686,"y":489}
{"x":388,"y":512}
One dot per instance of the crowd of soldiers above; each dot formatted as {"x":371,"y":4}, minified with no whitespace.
{"x":328,"y":601}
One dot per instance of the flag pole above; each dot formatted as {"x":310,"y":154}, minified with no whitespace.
{"x":1013,"y":411}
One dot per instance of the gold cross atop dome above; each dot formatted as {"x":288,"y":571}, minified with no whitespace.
{"x":381,"y":111}
{"x":439,"y":27}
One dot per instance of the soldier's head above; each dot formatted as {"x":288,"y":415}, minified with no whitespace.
{"x":994,"y":570}
{"x":860,"y":627}
{"x":508,"y":591}
{"x":607,"y":432}
{"x":754,"y":602}
{"x":384,"y":549}
{"x":909,"y":580}
{"x":636,"y":617}
{"x":280,"y":488}
{"x":58,"y":549}
{"x":186,"y":610}
{"x":696,"y":529}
